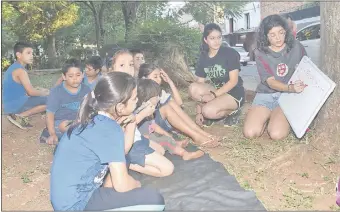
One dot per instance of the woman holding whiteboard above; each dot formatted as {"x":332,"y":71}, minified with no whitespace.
{"x":277,"y":55}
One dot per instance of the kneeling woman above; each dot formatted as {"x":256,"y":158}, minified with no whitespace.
{"x":277,"y":56}
{"x":94,"y":148}
{"x":221,"y":65}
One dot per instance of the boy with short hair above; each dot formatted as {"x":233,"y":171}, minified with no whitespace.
{"x":138,"y":59}
{"x":20,"y":98}
{"x":64,"y":101}
{"x":93,"y":68}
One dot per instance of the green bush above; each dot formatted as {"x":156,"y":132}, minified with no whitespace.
{"x":157,"y":37}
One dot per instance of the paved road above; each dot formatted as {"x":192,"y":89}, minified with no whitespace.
{"x":250,"y":77}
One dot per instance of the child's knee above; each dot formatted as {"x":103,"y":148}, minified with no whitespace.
{"x":167,"y":169}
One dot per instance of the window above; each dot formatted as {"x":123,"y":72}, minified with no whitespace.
{"x":309,"y":33}
{"x":247,"y":20}
{"x":231,"y":25}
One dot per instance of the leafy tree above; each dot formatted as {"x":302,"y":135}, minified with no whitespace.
{"x":98,"y":9}
{"x":207,"y":12}
{"x":129,"y":9}
{"x":41,"y":20}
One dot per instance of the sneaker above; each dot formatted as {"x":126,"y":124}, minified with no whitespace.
{"x":44,"y":136}
{"x":211,"y":122}
{"x":233,"y":119}
{"x":208,"y":122}
{"x":21,"y":122}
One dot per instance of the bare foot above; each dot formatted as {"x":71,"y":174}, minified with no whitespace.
{"x":193,"y":155}
{"x":183,"y":143}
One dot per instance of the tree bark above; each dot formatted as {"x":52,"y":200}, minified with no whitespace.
{"x":51,"y":51}
{"x":130,"y":14}
{"x":328,"y":121}
{"x":98,"y":21}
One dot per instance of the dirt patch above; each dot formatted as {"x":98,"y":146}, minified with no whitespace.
{"x":286,"y":175}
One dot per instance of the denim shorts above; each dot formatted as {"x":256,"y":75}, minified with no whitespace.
{"x":138,"y":152}
{"x":56,"y":128}
{"x":163,"y":123}
{"x":268,"y":100}
{"x":32,"y":102}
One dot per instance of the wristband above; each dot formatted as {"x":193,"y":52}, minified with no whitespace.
{"x":213,"y":93}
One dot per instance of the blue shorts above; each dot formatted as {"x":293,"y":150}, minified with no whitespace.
{"x":268,"y":100}
{"x":163,"y":123}
{"x":56,"y":128}
{"x":138,"y":152}
{"x":32,"y":102}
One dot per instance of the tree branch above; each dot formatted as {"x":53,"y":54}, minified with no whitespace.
{"x":91,"y":6}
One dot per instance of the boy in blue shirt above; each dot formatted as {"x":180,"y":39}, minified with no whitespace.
{"x":64,"y":101}
{"x":20,"y":98}
{"x":92,"y":71}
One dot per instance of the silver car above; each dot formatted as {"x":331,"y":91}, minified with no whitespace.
{"x":309,"y":37}
{"x":244,"y":59}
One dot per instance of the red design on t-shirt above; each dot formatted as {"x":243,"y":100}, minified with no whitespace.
{"x":282,"y":70}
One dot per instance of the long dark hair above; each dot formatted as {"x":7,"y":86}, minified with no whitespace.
{"x":207,"y":30}
{"x":111,"y":89}
{"x":146,"y":69}
{"x":266,"y":25}
{"x":146,"y":90}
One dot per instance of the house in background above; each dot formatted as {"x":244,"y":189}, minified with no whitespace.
{"x":302,"y":12}
{"x":237,"y":28}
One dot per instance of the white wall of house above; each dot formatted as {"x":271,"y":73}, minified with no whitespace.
{"x":251,"y":18}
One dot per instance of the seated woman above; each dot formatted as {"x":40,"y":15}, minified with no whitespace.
{"x":170,"y":114}
{"x":223,"y":98}
{"x":277,"y":56}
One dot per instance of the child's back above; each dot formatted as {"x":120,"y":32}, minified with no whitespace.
{"x":13,"y":93}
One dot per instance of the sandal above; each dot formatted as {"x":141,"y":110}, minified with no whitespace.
{"x":211,"y":143}
{"x":217,"y":138}
{"x":199,"y":117}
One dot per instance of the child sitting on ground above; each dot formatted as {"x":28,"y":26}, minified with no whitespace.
{"x":64,"y":101}
{"x":144,"y":155}
{"x":93,"y":148}
{"x":92,"y":71}
{"x":20,"y":98}
{"x":149,"y":91}
{"x":138,"y":59}
{"x":170,"y":114}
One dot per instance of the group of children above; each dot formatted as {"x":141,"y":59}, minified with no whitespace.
{"x":103,"y":125}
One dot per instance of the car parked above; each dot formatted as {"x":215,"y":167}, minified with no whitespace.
{"x":309,"y":37}
{"x":244,"y":59}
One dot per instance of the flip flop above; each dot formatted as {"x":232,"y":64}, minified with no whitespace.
{"x":217,"y":138}
{"x":211,"y":143}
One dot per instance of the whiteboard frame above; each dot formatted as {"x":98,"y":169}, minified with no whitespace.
{"x":285,"y":98}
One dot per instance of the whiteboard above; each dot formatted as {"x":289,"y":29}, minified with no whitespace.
{"x":301,"y":108}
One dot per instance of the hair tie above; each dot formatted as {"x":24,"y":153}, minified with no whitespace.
{"x":92,"y":95}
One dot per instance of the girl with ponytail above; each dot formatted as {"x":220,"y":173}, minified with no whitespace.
{"x":93,"y":151}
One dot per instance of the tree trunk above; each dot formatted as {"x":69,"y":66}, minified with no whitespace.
{"x":130,"y":15}
{"x":100,"y":23}
{"x":51,"y":51}
{"x":328,"y":121}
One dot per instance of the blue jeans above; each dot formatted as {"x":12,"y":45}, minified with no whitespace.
{"x":268,"y":100}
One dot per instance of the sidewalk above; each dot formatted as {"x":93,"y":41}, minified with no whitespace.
{"x":250,"y":77}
